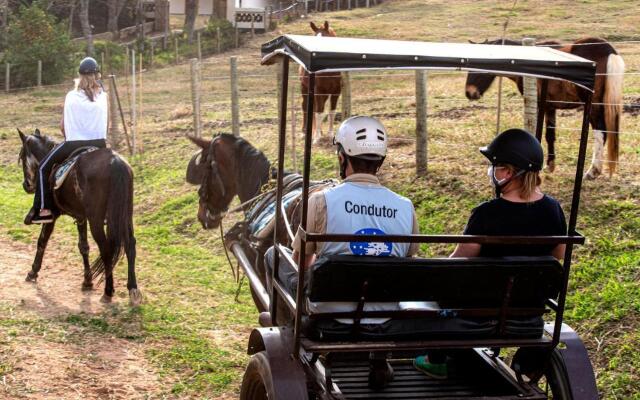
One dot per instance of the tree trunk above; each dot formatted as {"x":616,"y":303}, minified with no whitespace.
{"x":190,"y":13}
{"x":115,"y":9}
{"x":86,"y":26}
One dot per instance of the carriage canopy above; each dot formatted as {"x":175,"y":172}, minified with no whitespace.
{"x":326,"y":54}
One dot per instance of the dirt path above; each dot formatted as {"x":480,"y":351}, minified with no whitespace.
{"x":41,"y":356}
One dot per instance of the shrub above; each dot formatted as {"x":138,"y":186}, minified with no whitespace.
{"x":227,"y":32}
{"x":34,"y":35}
{"x":114,"y":56}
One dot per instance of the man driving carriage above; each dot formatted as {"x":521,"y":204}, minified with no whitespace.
{"x":360,"y":205}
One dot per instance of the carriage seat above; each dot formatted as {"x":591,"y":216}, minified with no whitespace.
{"x":61,"y":171}
{"x":492,"y":298}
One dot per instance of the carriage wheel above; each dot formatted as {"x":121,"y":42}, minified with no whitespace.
{"x":557,"y":382}
{"x":257,"y":382}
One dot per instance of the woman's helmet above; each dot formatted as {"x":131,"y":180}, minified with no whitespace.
{"x":362,"y":137}
{"x":516,"y":147}
{"x":88,"y":66}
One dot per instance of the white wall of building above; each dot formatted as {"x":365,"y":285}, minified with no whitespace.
{"x":205,"y":8}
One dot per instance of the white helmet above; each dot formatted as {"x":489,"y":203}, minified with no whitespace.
{"x":362,"y":137}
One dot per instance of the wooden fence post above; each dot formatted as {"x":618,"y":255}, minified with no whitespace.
{"x":114,"y":129}
{"x":237,"y":37}
{"x":7,"y":77}
{"x":134,"y":117}
{"x":253,"y":30}
{"x":219,"y":40}
{"x":199,"y":39}
{"x":346,"y":95}
{"x":348,"y":4}
{"x":421,"y":122}
{"x":195,"y":96}
{"x":279,"y":86}
{"x":306,"y":7}
{"x":153,"y":53}
{"x":293,"y":129}
{"x":126,"y":61}
{"x":40,"y":73}
{"x":235,"y":104}
{"x":530,"y":92}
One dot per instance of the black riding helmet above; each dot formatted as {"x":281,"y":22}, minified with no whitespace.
{"x":516,"y":147}
{"x":88,"y":66}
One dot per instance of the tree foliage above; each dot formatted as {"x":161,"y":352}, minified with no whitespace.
{"x":35,"y":35}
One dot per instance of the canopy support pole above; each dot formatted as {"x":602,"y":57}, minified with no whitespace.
{"x":281,"y":147}
{"x":573,"y":218}
{"x":305,"y":208}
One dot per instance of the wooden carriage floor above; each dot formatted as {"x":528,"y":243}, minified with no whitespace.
{"x":52,"y":343}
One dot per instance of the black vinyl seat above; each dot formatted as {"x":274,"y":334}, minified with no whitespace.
{"x":477,"y":298}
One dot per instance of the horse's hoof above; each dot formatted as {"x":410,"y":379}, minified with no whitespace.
{"x":135,"y":297}
{"x":31,"y":278}
{"x":551,"y":166}
{"x":592,"y":174}
{"x":87,"y":286}
{"x":106,"y":299}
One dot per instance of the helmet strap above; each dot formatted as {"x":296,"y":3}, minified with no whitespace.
{"x":500,"y":184}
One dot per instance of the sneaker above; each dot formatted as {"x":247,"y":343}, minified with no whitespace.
{"x":436,"y":371}
{"x":42,"y":219}
{"x":28,"y":220}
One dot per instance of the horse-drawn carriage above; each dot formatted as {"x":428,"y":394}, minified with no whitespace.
{"x":481,"y":305}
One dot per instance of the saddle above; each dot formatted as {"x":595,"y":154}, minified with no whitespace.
{"x":62,"y":170}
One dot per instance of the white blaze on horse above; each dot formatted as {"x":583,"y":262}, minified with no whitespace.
{"x":328,"y":86}
{"x":606,"y":109}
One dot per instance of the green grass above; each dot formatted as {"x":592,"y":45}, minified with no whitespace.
{"x":193,"y":331}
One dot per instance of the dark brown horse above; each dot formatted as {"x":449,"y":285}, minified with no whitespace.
{"x":224,"y":167}
{"x":607,"y":98}
{"x":328,"y":86}
{"x":98,"y":189}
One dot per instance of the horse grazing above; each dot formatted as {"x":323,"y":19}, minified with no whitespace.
{"x":606,"y":108}
{"x":224,"y":167}
{"x":328,"y":85}
{"x":98,"y":188}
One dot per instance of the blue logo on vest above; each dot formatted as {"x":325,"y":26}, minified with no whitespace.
{"x":371,"y":248}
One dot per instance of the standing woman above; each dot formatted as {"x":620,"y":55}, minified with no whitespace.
{"x":84,"y":123}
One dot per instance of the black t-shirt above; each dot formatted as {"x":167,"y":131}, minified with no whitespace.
{"x":500,"y":217}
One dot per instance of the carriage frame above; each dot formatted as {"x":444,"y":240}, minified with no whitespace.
{"x":292,"y":359}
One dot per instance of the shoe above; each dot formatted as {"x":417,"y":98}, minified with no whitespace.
{"x":42,"y":219}
{"x":436,"y":371}
{"x":380,"y":374}
{"x":28,"y":220}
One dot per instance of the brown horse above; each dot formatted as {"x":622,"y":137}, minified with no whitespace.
{"x":328,"y":85}
{"x":224,"y":167}
{"x":98,"y":189}
{"x":607,"y":98}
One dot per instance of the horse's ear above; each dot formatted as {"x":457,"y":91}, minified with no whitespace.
{"x":313,"y":26}
{"x":202,"y":143}
{"x":37,"y":132}
{"x":486,"y":41}
{"x":472,"y":42}
{"x":326,"y":25}
{"x":22,"y":136}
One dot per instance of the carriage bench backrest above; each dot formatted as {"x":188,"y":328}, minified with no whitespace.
{"x":455,"y":283}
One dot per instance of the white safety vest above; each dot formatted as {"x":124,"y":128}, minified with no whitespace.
{"x":354,"y":208}
{"x":85,"y":119}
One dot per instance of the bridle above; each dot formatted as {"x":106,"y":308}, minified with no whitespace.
{"x":212,"y":173}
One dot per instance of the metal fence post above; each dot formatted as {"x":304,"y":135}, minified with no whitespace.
{"x":235,"y":105}
{"x":346,"y":95}
{"x":199,"y":40}
{"x":175,"y":41}
{"x":530,"y":92}
{"x":134,"y":117}
{"x":421,"y":122}
{"x":218,"y":39}
{"x":195,"y":96}
{"x":114,"y":130}
{"x":237,"y":36}
{"x":40,"y":72}
{"x":7,"y":77}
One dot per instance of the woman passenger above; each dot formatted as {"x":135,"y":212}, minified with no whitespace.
{"x":519,"y":209}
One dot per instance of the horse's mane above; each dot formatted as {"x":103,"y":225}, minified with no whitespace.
{"x":252,"y":166}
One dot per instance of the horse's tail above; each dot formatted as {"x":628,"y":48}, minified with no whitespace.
{"x":612,"y":100}
{"x":119,"y":214}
